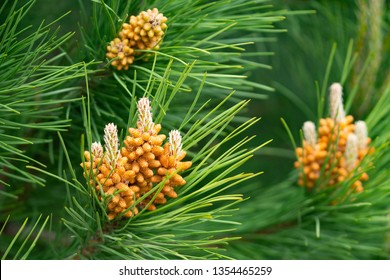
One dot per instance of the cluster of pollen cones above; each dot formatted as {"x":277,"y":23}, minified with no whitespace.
{"x":143,"y":32}
{"x":121,"y":177}
{"x":332,"y":155}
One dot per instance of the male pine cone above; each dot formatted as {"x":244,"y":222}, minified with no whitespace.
{"x":143,"y":32}
{"x":334,"y":156}
{"x":122,"y":178}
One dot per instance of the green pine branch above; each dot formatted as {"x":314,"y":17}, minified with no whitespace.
{"x":33,"y":91}
{"x":178,"y":228}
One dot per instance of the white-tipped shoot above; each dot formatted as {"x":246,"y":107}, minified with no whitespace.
{"x":111,"y":144}
{"x":336,"y":107}
{"x":145,"y":120}
{"x":309,"y":133}
{"x":175,"y":146}
{"x":97,"y":150}
{"x":362,"y":134}
{"x":351,"y":152}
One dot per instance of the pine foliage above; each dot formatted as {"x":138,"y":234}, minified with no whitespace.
{"x":58,"y":91}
